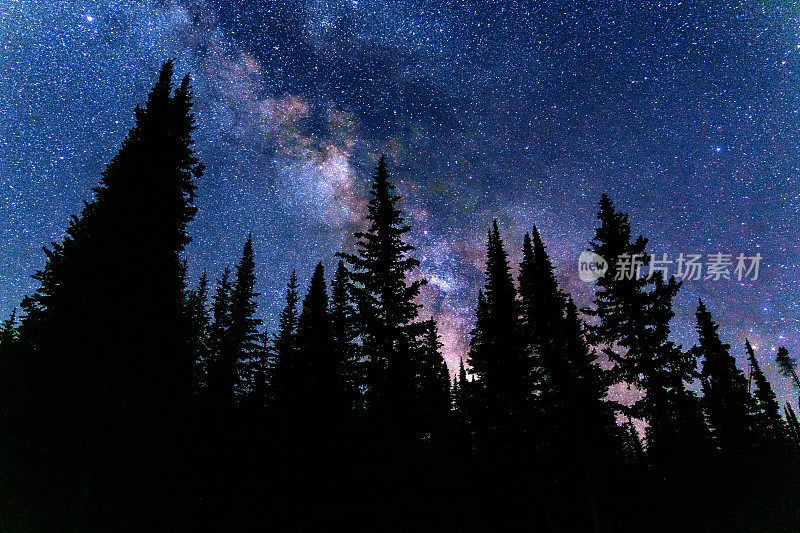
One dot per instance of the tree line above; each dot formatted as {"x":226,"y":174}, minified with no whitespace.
{"x":132,"y":398}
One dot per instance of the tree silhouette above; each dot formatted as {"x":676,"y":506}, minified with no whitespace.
{"x":107,"y":324}
{"x":385,"y":307}
{"x":634,"y":313}
{"x":433,"y":384}
{"x":243,"y":326}
{"x":767,"y":411}
{"x":8,"y":331}
{"x":128,"y":401}
{"x":199,"y":323}
{"x":727,"y":402}
{"x":787,"y":365}
{"x":321,"y":391}
{"x":219,"y":371}
{"x":287,"y":367}
{"x":343,"y":334}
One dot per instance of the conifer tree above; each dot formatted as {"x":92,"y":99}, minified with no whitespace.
{"x":286,"y":371}
{"x":107,"y":327}
{"x":321,"y":392}
{"x":463,"y":390}
{"x":579,"y":382}
{"x":621,"y":294}
{"x":497,"y":353}
{"x":542,"y":318}
{"x":792,"y":423}
{"x":219,"y":343}
{"x":134,"y":230}
{"x":727,"y":402}
{"x":634,"y":312}
{"x":196,"y":307}
{"x":433,"y":383}
{"x":787,"y":365}
{"x":541,"y":301}
{"x":243,"y":324}
{"x":8,"y":330}
{"x":677,"y":436}
{"x":384,"y":299}
{"x":343,"y":333}
{"x":259,"y":371}
{"x":578,"y":438}
{"x":767,"y":411}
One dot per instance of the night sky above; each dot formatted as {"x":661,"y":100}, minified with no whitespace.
{"x":686,"y":113}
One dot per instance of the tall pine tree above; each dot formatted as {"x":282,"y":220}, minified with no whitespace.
{"x":219,"y":373}
{"x":433,"y":383}
{"x":286,"y":372}
{"x":727,"y":403}
{"x":321,"y":392}
{"x":244,"y":326}
{"x":343,"y":333}
{"x":196,"y":308}
{"x":497,"y":354}
{"x":386,"y":310}
{"x":633,"y":313}
{"x":107,"y":327}
{"x":767,"y":410}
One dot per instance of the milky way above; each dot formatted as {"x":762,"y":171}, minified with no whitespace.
{"x":686,"y":114}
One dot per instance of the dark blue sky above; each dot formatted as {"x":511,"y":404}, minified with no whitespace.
{"x":686,"y":113}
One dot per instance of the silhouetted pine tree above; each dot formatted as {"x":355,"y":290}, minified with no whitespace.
{"x":619,"y":297}
{"x":678,"y":440}
{"x":792,"y":423}
{"x":244,"y":326}
{"x":259,"y":370}
{"x":634,"y":313}
{"x":321,"y":392}
{"x":107,"y":327}
{"x":768,"y":420}
{"x":479,"y":353}
{"x":219,"y":344}
{"x":542,"y":302}
{"x":578,"y":436}
{"x":497,"y":354}
{"x":343,"y":333}
{"x":542,"y":307}
{"x":787,"y":365}
{"x":433,"y":384}
{"x":461,"y":392}
{"x":8,"y":331}
{"x":774,"y":461}
{"x":462,"y":408}
{"x":197,"y":311}
{"x":727,"y":403}
{"x":286,"y":371}
{"x":385,"y":304}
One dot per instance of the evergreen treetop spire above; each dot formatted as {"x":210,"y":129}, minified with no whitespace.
{"x":728,"y":404}
{"x":385,"y":300}
{"x":767,"y":409}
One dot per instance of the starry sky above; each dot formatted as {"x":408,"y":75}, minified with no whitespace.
{"x":686,"y":113}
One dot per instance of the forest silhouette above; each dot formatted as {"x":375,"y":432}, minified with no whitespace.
{"x":133,"y":398}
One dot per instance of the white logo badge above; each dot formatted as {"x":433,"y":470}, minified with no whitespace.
{"x":591,"y":266}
